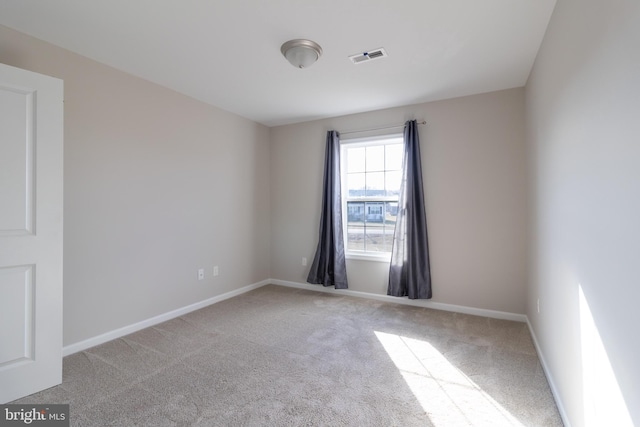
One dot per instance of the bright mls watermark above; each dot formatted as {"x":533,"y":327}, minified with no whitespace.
{"x":34,"y":415}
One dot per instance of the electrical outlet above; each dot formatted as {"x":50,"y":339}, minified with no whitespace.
{"x":201,"y":274}
{"x":215,"y":270}
{"x":304,"y":261}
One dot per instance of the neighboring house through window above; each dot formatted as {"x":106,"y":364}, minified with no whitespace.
{"x":371,"y":175}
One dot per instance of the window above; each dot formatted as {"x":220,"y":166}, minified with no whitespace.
{"x":371,"y":175}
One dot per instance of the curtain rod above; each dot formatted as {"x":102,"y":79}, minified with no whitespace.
{"x":423,"y":122}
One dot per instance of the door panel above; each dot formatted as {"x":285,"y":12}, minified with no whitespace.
{"x":16,"y":161}
{"x":31,"y":157}
{"x":17,"y":305}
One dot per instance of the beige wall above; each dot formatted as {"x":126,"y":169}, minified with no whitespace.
{"x":157,"y":185}
{"x":583,"y":109}
{"x":474,"y":162}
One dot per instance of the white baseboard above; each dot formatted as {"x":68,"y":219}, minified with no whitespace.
{"x":126,"y":330}
{"x":547,"y":373}
{"x":416,"y":303}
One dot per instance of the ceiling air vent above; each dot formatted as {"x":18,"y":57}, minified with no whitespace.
{"x":359,"y":58}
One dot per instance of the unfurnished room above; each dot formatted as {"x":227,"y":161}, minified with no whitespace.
{"x":319,"y":213}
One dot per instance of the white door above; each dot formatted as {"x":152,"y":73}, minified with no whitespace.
{"x":31,"y":153}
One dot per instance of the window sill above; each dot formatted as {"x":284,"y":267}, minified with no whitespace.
{"x":368,"y":257}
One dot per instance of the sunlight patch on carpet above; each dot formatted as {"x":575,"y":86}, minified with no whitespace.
{"x":449,"y":397}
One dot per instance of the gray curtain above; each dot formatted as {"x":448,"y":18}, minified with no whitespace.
{"x":409,"y":273}
{"x":329,"y":267}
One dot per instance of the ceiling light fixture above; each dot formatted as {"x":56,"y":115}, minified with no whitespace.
{"x":301,"y":53}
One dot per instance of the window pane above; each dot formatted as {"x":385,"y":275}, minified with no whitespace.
{"x":387,"y":246}
{"x":393,"y":157}
{"x":375,"y":158}
{"x":355,"y":212}
{"x":355,"y":184}
{"x":375,"y":184}
{"x":391,"y":213}
{"x":355,"y":238}
{"x":374,"y":212}
{"x":355,"y":159}
{"x":374,"y":237}
{"x":392,"y":183}
{"x":355,"y":226}
{"x":390,"y":217}
{"x":374,"y":231}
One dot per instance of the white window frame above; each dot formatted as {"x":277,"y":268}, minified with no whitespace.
{"x":355,"y":143}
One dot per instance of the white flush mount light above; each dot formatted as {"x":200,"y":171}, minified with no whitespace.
{"x":301,"y":53}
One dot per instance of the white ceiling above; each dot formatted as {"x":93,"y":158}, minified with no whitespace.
{"x":227,"y":53}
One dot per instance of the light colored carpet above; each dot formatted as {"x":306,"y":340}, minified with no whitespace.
{"x":279,"y":356}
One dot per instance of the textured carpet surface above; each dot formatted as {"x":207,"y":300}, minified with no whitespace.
{"x":279,"y":356}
